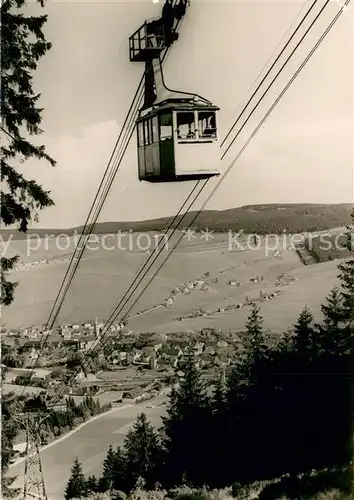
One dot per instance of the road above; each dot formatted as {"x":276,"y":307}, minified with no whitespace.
{"x":89,"y":444}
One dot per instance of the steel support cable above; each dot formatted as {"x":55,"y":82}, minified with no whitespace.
{"x":272,"y":66}
{"x":162,"y":238}
{"x":109,"y":322}
{"x":255,"y":131}
{"x":119,"y":305}
{"x":137,"y":99}
{"x":274,"y":79}
{"x":82,"y":249}
{"x":294,"y":33}
{"x":87,"y":222}
{"x":261,"y":123}
{"x":77,"y":258}
{"x":276,"y":76}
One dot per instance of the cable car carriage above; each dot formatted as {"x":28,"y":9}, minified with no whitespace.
{"x":177,"y":132}
{"x":177,"y":141}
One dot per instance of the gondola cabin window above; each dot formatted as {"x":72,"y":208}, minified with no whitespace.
{"x":186,"y":125}
{"x":166,"y":127}
{"x":155,"y":130}
{"x":140,"y":134}
{"x":207,"y":125}
{"x":147,"y":132}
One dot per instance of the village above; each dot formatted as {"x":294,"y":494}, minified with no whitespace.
{"x":122,"y":364}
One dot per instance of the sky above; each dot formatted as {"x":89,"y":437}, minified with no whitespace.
{"x":302,"y":154}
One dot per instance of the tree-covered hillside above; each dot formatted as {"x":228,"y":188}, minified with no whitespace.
{"x":259,"y":219}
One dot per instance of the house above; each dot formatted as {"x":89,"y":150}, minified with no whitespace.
{"x":209,"y":350}
{"x":133,"y":393}
{"x":113,"y":397}
{"x":182,"y":362}
{"x":73,"y":343}
{"x":163,"y":364}
{"x":198,"y":348}
{"x":137,"y":355}
{"x":66,"y":333}
{"x":171,"y":350}
{"x":87,"y":342}
{"x":29,"y":345}
{"x":222,"y":344}
{"x":54,"y":340}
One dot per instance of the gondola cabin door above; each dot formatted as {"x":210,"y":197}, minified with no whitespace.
{"x":148,"y":148}
{"x":155,"y":147}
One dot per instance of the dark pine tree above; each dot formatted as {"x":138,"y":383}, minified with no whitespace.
{"x":119,"y":481}
{"x":218,"y":438}
{"x":77,"y":485}
{"x":92,"y":485}
{"x":334,"y":333}
{"x":23,"y":43}
{"x":108,"y":473}
{"x":143,"y":453}
{"x":255,"y":333}
{"x":304,"y":333}
{"x":186,"y":426}
{"x":346,"y":275}
{"x":332,"y":309}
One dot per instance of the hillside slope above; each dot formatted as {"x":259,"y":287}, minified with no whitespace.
{"x":260,"y":219}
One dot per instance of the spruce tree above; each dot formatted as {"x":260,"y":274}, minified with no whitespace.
{"x":334,"y":334}
{"x":23,"y":43}
{"x":346,"y":275}
{"x":254,"y":331}
{"x":119,"y":481}
{"x":332,"y":309}
{"x":77,"y":486}
{"x":92,"y":484}
{"x":304,"y":334}
{"x":108,"y":474}
{"x":219,"y":400}
{"x":255,"y":344}
{"x":187,"y":424}
{"x":142,"y":452}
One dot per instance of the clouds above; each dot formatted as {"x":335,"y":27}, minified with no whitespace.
{"x":300,"y":162}
{"x":81,"y":162}
{"x":303,"y":153}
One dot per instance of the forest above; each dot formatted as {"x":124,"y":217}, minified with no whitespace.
{"x":283,"y":414}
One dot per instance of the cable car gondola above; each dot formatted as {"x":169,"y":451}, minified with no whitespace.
{"x":177,"y":132}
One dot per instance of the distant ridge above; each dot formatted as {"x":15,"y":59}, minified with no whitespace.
{"x":259,"y":219}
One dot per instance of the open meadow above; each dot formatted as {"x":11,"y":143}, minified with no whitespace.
{"x":104,"y":276}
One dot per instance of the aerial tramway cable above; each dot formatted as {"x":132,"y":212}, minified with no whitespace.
{"x":270,"y":110}
{"x":278,"y":73}
{"x":89,"y":226}
{"x":83,"y":248}
{"x":272,"y":66}
{"x":246,"y":144}
{"x":287,"y":60}
{"x":111,"y":175}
